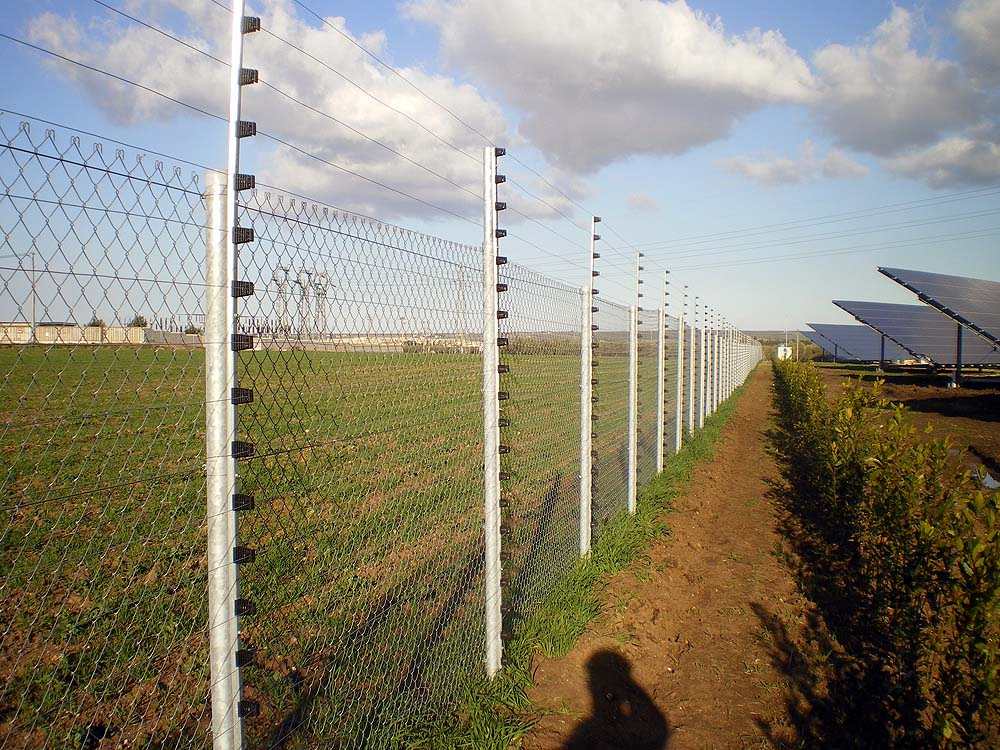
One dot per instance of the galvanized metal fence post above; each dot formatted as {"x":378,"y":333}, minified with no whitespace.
{"x":679,"y":407}
{"x":633,"y":406}
{"x":661,"y":368}
{"x":586,"y":412}
{"x":702,"y":359}
{"x":491,"y":418}
{"x":224,"y":501}
{"x":588,"y":299}
{"x":691,"y":366}
{"x":220,"y":433}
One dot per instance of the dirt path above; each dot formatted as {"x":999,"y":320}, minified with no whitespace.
{"x":680,"y":656}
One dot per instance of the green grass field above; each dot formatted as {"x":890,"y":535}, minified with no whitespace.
{"x":367,"y":528}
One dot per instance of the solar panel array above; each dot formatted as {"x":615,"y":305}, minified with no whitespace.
{"x":972,"y":302}
{"x":860,"y":342}
{"x":923,"y":331}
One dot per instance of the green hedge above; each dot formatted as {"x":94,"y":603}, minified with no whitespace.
{"x":921,"y":541}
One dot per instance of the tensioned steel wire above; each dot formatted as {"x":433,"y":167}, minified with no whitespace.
{"x":543,"y":354}
{"x":102,"y":414}
{"x":367,"y":527}
{"x":610,"y":443}
{"x":648,"y":369}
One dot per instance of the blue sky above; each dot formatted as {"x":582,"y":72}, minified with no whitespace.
{"x":693,"y":129}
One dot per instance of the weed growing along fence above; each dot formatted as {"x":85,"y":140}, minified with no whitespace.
{"x":917,"y":539}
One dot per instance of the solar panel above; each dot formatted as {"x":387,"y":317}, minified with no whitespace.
{"x":923,"y":331}
{"x":842,"y":355}
{"x":861,"y":342}
{"x":973,"y":302}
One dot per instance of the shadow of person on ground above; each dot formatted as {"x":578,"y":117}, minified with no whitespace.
{"x":623,"y":716}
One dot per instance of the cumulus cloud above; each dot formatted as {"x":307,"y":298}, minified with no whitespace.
{"x":978,"y":25}
{"x":599,"y":80}
{"x":770,"y":170}
{"x":970,"y":158}
{"x":883,"y":95}
{"x":124,"y":48}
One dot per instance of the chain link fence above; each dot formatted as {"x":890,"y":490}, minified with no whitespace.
{"x":366,"y":424}
{"x":356,"y":535}
{"x":103,"y":597}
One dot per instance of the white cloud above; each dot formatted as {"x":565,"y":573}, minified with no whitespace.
{"x":970,"y":158}
{"x":642,"y":201}
{"x":883,"y":95}
{"x":978,"y":25}
{"x":123,"y":48}
{"x":599,"y":80}
{"x":771,"y":170}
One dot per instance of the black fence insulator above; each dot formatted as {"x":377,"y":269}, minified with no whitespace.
{"x":247,"y":709}
{"x":499,"y":151}
{"x":504,"y":502}
{"x":593,"y":346}
{"x":241,"y":342}
{"x":499,"y":233}
{"x":503,"y":450}
{"x":501,"y":178}
{"x":595,"y":274}
{"x":597,"y":237}
{"x":503,"y":369}
{"x":503,"y":422}
{"x":245,"y":182}
{"x":595,"y":309}
{"x":505,"y":557}
{"x":250,"y":24}
{"x":504,"y":476}
{"x":243,"y":555}
{"x":241,"y":396}
{"x":242,"y":235}
{"x":502,"y":341}
{"x":595,"y":292}
{"x":503,"y":395}
{"x":244,"y":658}
{"x":499,"y":206}
{"x":242,"y":449}
{"x":597,"y":219}
{"x":501,"y":314}
{"x":593,"y":381}
{"x":248,"y":76}
{"x":501,"y":287}
{"x":242,"y":502}
{"x":596,"y":256}
{"x":593,"y":417}
{"x":504,"y":529}
{"x":594,"y":399}
{"x":244,"y":608}
{"x":242,"y":289}
{"x":246,"y":128}
{"x":501,"y":260}
{"x":595,"y":327}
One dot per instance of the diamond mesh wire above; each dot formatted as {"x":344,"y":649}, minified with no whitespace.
{"x":543,"y":353}
{"x":610,"y":443}
{"x":102,"y":600}
{"x":648,"y":367}
{"x":367,"y":425}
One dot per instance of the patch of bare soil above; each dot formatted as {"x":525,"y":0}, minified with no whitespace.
{"x":970,"y":415}
{"x":695,"y":647}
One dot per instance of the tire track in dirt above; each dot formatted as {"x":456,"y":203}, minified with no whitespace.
{"x":679,"y":658}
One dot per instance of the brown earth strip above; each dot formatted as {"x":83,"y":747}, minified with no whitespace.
{"x":681,"y":656}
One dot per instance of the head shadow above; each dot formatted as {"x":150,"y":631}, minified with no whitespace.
{"x":622,"y":714}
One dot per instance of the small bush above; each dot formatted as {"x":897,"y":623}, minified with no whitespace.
{"x":922,"y":538}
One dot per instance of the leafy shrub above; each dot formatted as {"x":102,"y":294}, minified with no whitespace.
{"x":922,"y":538}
